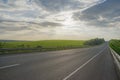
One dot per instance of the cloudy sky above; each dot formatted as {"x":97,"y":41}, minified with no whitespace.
{"x":59,"y":19}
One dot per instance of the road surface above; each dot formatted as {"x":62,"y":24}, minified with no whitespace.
{"x":95,"y":63}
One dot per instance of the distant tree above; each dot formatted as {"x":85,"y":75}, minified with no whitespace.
{"x":95,"y":41}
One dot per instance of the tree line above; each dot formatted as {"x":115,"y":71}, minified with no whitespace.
{"x":95,"y":41}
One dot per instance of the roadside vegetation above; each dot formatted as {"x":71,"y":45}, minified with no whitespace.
{"x":45,"y":45}
{"x":95,"y":41}
{"x":115,"y":45}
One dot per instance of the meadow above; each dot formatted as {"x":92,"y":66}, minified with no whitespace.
{"x":10,"y":47}
{"x":43,"y":45}
{"x":115,"y":45}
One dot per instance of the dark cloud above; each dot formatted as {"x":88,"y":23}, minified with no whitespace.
{"x":52,"y":24}
{"x":9,"y":25}
{"x":102,"y":14}
{"x":46,"y":24}
{"x":59,"y":5}
{"x":4,"y":1}
{"x":11,"y":28}
{"x":6,"y":20}
{"x":6,"y":4}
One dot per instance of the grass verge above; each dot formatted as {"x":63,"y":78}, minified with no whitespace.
{"x":115,"y":45}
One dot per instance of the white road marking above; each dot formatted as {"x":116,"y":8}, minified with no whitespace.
{"x":13,"y":65}
{"x":83,"y":65}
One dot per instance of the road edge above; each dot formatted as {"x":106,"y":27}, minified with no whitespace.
{"x":116,"y":58}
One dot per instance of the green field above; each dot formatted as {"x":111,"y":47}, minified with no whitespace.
{"x":44,"y":45}
{"x":115,"y":45}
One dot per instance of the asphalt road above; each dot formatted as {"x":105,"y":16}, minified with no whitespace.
{"x":95,"y":63}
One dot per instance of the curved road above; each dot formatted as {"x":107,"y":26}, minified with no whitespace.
{"x":95,"y":63}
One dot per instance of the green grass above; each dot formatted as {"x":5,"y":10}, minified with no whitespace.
{"x":43,"y":45}
{"x":115,"y":45}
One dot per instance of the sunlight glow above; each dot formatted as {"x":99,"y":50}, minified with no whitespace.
{"x":68,"y":21}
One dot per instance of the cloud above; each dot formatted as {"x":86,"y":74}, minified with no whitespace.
{"x":12,"y":26}
{"x":103,"y":15}
{"x":51,"y":24}
{"x":65,"y":19}
{"x":8,"y":26}
{"x":59,"y":5}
